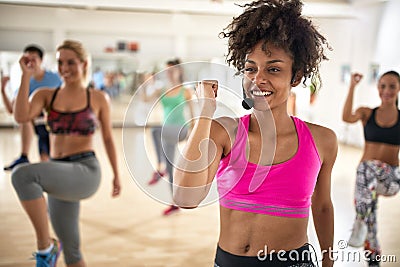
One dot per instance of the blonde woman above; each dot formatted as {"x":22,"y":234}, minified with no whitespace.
{"x":74,"y":112}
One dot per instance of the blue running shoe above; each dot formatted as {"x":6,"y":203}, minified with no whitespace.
{"x":22,"y":159}
{"x":49,"y":259}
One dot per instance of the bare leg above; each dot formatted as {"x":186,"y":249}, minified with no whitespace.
{"x":44,"y":157}
{"x":156,"y":134}
{"x":161,"y":168}
{"x":26,"y":137}
{"x":37,"y":212}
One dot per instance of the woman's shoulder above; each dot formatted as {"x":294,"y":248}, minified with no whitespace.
{"x":44,"y":91}
{"x":223,"y":130}
{"x":365,"y":113}
{"x":188,"y":92}
{"x":99,"y":98}
{"x":323,"y":136}
{"x":226,"y":122}
{"x":99,"y":94}
{"x":224,"y":126}
{"x":319,"y":130}
{"x":365,"y":110}
{"x":43,"y":95}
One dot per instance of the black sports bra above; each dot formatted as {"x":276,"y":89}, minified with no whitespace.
{"x":375,"y":133}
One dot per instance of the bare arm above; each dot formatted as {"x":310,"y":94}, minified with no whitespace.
{"x":25,"y":110}
{"x":189,"y":101}
{"x":148,"y":98}
{"x":322,"y":207}
{"x":348,"y":114}
{"x":7,"y":103}
{"x":199,"y":162}
{"x":106,"y":130}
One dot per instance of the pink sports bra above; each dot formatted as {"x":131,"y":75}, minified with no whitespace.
{"x":82,"y":122}
{"x":283,"y":189}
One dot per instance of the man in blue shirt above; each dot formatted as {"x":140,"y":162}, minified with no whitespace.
{"x":40,"y":78}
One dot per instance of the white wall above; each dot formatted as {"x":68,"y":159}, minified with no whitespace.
{"x":160,"y":36}
{"x":361,"y":34}
{"x":375,"y":41}
{"x":388,"y":39}
{"x":353,"y":41}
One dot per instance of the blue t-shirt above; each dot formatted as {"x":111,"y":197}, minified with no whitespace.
{"x":49,"y":80}
{"x":98,"y":79}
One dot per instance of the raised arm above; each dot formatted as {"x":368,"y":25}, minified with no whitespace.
{"x":348,"y":114}
{"x":6,"y":101}
{"x":189,"y":101}
{"x":25,"y":110}
{"x":199,"y":161}
{"x":144,"y":94}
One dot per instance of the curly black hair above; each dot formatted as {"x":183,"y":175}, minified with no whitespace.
{"x":280,"y":23}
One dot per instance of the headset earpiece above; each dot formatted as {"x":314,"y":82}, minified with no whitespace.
{"x":293,"y":80}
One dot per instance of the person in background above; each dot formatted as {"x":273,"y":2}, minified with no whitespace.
{"x":98,"y":79}
{"x":174,"y":128}
{"x":111,"y":84}
{"x":268,"y":165}
{"x":74,"y":112}
{"x":378,"y":172}
{"x":40,"y":78}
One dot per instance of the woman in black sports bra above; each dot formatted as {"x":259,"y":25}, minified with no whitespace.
{"x":378,"y":172}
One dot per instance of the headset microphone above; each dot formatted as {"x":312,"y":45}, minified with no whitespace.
{"x":247,"y":102}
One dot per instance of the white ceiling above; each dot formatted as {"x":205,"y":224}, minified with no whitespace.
{"x":212,"y":7}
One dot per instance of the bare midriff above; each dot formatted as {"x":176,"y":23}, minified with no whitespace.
{"x":245,"y":234}
{"x":66,"y":145}
{"x":383,"y":152}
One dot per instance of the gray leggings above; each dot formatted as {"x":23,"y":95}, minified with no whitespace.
{"x":66,"y":182}
{"x":165,"y":139}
